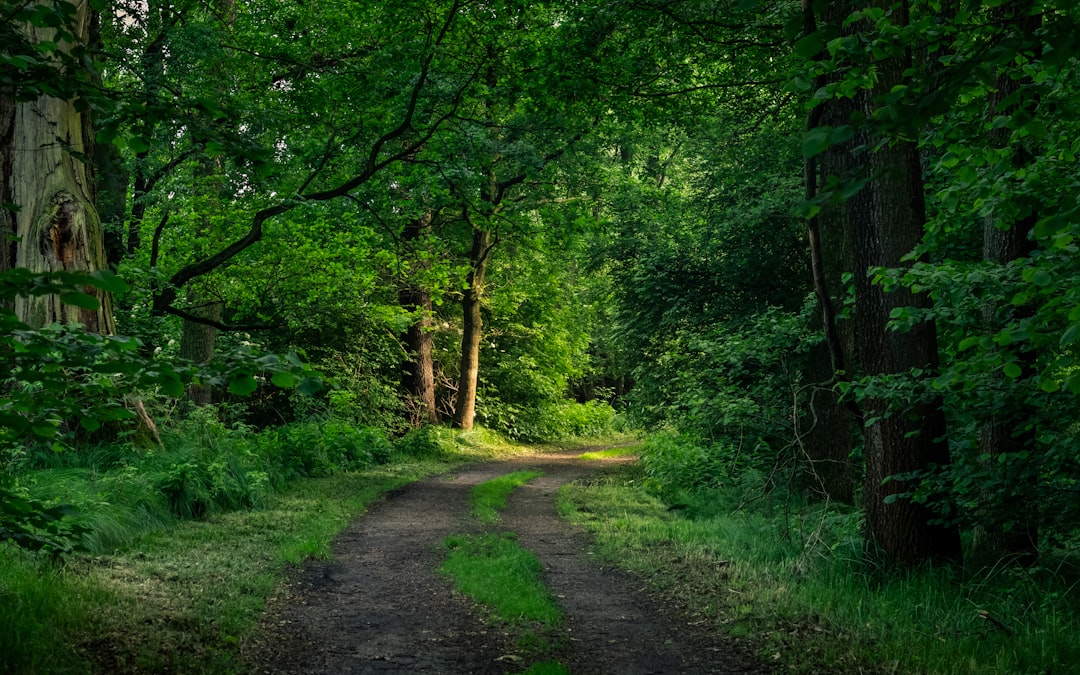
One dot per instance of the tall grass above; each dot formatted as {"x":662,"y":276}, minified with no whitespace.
{"x":792,"y":578}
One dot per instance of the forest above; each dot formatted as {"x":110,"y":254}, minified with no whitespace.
{"x":815,"y":261}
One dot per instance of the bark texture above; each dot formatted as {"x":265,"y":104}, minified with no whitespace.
{"x":197,"y":341}
{"x":57,"y":221}
{"x":887,"y":220}
{"x":827,"y":427}
{"x":7,"y":217}
{"x":418,"y":373}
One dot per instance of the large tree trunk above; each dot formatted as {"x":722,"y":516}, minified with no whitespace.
{"x":472,"y":325}
{"x":7,"y":155}
{"x":827,"y":433}
{"x":1009,"y":432}
{"x":888,"y":216}
{"x":57,"y":222}
{"x":418,"y":374}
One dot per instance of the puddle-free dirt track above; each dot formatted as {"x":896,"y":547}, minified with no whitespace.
{"x":380,"y":606}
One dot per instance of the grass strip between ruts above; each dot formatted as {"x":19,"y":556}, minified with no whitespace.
{"x":489,"y":497}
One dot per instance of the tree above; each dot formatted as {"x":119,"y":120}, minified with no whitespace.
{"x":47,"y":138}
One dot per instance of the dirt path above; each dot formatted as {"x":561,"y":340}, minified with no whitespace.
{"x":381,"y":607}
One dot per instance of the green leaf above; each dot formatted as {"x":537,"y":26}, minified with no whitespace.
{"x":44,"y":430}
{"x":242,"y":385}
{"x":310,"y":386}
{"x":171,"y":385}
{"x":285,"y":380}
{"x":816,"y":141}
{"x":1012,"y":370}
{"x":1049,"y":385}
{"x":809,"y":46}
{"x":89,"y":423}
{"x":137,"y":144}
{"x":109,"y":282}
{"x":80,"y":300}
{"x":968,"y":342}
{"x":1070,"y":335}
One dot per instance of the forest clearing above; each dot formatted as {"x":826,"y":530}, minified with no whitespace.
{"x":562,"y":337}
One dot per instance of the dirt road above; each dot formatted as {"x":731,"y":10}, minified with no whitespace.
{"x":380,"y":606}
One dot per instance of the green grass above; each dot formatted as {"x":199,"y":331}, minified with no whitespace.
{"x":489,"y":497}
{"x":611,"y":452}
{"x":40,"y":606}
{"x":494,"y":570}
{"x":793,"y":581}
{"x":547,"y":668}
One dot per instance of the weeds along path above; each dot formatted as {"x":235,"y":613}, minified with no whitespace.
{"x":380,"y":606}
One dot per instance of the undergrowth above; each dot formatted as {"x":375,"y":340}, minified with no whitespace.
{"x":181,"y":545}
{"x":791,"y":578}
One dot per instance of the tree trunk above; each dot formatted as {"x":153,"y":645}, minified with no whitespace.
{"x":418,"y":374}
{"x":57,"y":222}
{"x":472,"y":325}
{"x":197,"y":341}
{"x":1009,"y":432}
{"x":7,"y":155}
{"x":827,"y":434}
{"x":887,"y":219}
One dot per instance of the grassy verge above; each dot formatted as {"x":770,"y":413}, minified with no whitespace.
{"x":489,"y":497}
{"x":793,"y":582}
{"x":162,"y":593}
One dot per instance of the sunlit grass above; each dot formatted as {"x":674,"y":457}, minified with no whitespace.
{"x":495,"y":571}
{"x":611,"y":452}
{"x":793,"y":581}
{"x":489,"y":497}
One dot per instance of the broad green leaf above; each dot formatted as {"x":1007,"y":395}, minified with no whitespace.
{"x":242,"y":385}
{"x":170,"y":384}
{"x":44,"y":430}
{"x":310,"y":386}
{"x":107,"y":281}
{"x":285,"y":380}
{"x":1012,"y":370}
{"x":1070,"y":335}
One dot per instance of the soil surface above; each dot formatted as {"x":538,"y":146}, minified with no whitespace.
{"x":381,"y":606}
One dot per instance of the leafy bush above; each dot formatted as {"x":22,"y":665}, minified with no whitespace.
{"x":675,"y":462}
{"x":426,"y":441}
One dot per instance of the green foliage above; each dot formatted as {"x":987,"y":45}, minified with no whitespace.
{"x":34,"y":525}
{"x":426,"y":442}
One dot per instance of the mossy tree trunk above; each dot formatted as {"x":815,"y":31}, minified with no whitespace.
{"x":56,"y":222}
